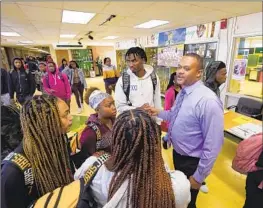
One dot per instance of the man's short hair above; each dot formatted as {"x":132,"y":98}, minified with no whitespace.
{"x":198,"y":58}
{"x":137,"y":51}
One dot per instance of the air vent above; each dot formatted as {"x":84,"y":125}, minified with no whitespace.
{"x":69,"y":46}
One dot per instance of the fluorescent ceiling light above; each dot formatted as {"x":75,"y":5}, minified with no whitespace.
{"x":22,"y":44}
{"x":67,"y":35}
{"x":152,"y":24}
{"x":110,"y":37}
{"x":76,"y":17}
{"x":26,"y":41}
{"x":10,"y":34}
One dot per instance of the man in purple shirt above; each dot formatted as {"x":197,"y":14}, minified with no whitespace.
{"x":196,"y":124}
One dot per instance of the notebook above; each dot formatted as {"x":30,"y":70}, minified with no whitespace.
{"x":245,"y":131}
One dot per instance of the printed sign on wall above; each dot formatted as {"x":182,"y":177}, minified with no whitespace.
{"x":152,"y":40}
{"x":239,"y":71}
{"x":202,"y":31}
{"x":172,"y":37}
{"x":170,"y":56}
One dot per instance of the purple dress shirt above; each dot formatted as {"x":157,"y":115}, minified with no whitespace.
{"x":198,"y":129}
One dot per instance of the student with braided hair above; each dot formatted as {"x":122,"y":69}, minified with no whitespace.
{"x":41,"y":163}
{"x":135,"y":175}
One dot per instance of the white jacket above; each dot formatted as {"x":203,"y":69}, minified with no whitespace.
{"x":101,"y":183}
{"x":141,"y":92}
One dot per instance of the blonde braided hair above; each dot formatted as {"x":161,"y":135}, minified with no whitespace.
{"x":44,"y":143}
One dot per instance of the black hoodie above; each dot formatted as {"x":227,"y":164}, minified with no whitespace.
{"x":21,"y":81}
{"x":210,"y":79}
{"x":4,"y":82}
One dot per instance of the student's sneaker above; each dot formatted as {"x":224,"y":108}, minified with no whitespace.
{"x":204,"y":188}
{"x":79,"y":111}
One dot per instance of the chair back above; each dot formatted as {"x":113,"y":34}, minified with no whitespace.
{"x":250,"y":107}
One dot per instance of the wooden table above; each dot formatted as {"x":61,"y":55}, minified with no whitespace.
{"x":232,"y":119}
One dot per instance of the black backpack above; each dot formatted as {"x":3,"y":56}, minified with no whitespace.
{"x":20,"y":161}
{"x":32,"y":66}
{"x":126,"y":85}
{"x":11,"y":133}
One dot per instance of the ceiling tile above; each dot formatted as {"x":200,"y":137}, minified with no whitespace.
{"x":47,"y":4}
{"x":132,"y":21}
{"x":82,"y":6}
{"x":24,"y":29}
{"x":242,"y":8}
{"x":49,"y":32}
{"x":69,"y":32}
{"x":216,"y":5}
{"x":171,"y":10}
{"x":15,"y":22}
{"x":40,"y":13}
{"x":73,"y":27}
{"x":6,"y":29}
{"x":43,"y":24}
{"x":126,"y":8}
{"x":11,"y":11}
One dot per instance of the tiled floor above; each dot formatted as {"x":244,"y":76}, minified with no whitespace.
{"x":226,"y":187}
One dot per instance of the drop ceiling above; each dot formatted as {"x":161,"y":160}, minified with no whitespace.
{"x":40,"y":22}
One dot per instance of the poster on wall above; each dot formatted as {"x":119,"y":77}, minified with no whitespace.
{"x":172,"y":37}
{"x":202,"y":32}
{"x":164,"y":76}
{"x":196,"y":48}
{"x":152,"y":40}
{"x":239,"y":71}
{"x":179,"y":36}
{"x":125,"y":44}
{"x":213,"y":29}
{"x":170,"y":56}
{"x":198,"y":32}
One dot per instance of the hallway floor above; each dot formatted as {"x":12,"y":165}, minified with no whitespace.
{"x":226,"y":187}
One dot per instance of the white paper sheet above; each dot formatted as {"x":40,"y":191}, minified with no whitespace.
{"x":245,"y":131}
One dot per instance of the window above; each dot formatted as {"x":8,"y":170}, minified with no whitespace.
{"x":246,"y":71}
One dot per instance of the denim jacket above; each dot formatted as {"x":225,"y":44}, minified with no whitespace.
{"x":69,"y":72}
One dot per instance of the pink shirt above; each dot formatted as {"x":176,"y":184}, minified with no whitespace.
{"x":169,"y":100}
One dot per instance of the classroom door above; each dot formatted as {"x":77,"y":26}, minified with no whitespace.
{"x":62,"y":54}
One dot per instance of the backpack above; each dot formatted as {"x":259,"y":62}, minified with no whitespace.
{"x":126,"y":85}
{"x":247,"y":154}
{"x":11,"y":133}
{"x":98,"y":133}
{"x":23,"y":164}
{"x":76,"y":194}
{"x":59,"y":75}
{"x":78,"y":157}
{"x":32,"y":66}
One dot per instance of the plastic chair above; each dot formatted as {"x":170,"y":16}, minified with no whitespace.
{"x":248,"y":107}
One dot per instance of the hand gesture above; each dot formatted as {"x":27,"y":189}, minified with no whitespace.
{"x":152,"y":111}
